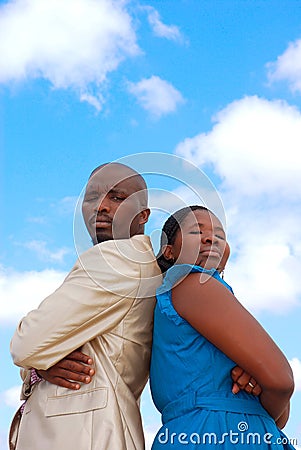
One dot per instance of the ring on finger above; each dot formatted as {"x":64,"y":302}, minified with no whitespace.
{"x":251,"y":385}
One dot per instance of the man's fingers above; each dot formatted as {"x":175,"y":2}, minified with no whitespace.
{"x":72,"y":376}
{"x":58,"y":381}
{"x":64,"y":378}
{"x":77,"y":355}
{"x":70,"y":371}
{"x":65,"y":383}
{"x":74,"y":366}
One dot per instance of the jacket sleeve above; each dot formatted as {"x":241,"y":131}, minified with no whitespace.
{"x":93,"y":299}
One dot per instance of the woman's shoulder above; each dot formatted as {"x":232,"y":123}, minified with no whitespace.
{"x":173,"y":277}
{"x":177,"y":273}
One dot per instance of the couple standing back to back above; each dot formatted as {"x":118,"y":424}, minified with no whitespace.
{"x":104,"y":308}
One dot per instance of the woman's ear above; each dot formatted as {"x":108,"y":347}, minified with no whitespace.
{"x":167,"y":252}
{"x":224,"y":259}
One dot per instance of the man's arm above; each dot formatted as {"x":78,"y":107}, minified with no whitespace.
{"x":93,"y":299}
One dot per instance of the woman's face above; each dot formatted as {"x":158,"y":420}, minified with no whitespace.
{"x":201,"y":240}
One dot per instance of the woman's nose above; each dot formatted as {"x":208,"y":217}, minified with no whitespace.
{"x":207,"y":238}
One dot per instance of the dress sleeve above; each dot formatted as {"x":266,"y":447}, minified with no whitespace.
{"x":174,"y":275}
{"x":93,"y":299}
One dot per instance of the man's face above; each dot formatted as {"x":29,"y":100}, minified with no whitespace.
{"x":114,"y":205}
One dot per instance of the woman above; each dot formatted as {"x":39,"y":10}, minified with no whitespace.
{"x":201,"y":332}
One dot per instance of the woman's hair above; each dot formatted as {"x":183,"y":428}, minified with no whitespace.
{"x":169,"y":231}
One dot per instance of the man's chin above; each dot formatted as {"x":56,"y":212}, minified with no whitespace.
{"x":102,"y":237}
{"x":106,"y":235}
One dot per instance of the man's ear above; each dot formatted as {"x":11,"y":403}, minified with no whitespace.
{"x":167,"y":252}
{"x":143,"y":216}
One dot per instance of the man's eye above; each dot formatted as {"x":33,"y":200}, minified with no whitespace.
{"x":220,"y":237}
{"x":91,"y":198}
{"x":195,"y":232}
{"x":116,"y":198}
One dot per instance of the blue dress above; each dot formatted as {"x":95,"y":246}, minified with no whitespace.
{"x":191,"y":386}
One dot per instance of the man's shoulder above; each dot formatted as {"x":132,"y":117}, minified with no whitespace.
{"x":126,"y":256}
{"x":137,"y":249}
{"x":122,"y":263}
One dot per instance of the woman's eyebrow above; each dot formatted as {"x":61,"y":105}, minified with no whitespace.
{"x":220,"y":229}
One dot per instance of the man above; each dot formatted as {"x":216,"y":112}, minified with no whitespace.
{"x":105,"y":307}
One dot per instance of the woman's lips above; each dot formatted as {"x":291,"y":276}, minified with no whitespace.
{"x":210,"y":253}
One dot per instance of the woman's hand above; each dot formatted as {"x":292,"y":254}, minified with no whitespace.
{"x":75,"y":368}
{"x":243,"y":381}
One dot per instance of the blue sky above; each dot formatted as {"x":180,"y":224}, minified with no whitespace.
{"x":217,"y":83}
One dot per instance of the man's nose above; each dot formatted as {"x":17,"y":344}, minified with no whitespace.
{"x":104,"y":205}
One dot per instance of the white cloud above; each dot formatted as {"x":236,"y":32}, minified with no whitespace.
{"x":64,"y":206}
{"x":156,"y":95}
{"x":23,"y":291}
{"x":296,"y":367}
{"x":149,"y":435}
{"x":171,"y":32}
{"x":288,"y":67}
{"x":44,"y":254}
{"x":96,"y":101}
{"x":39,"y":220}
{"x":166,"y":202}
{"x":254,"y":148}
{"x":264,"y":275}
{"x":170,"y":201}
{"x":11,"y":397}
{"x":71,"y":43}
{"x":254,"y":144}
{"x":151,"y":417}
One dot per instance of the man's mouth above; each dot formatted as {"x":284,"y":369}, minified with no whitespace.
{"x":102,"y":222}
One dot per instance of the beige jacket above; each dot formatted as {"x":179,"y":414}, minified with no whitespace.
{"x":106,"y":306}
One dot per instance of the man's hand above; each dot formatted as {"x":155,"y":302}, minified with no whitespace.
{"x":242,"y":381}
{"x":75,"y":368}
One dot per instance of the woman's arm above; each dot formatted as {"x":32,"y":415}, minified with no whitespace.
{"x":213,"y":311}
{"x":282,"y":420}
